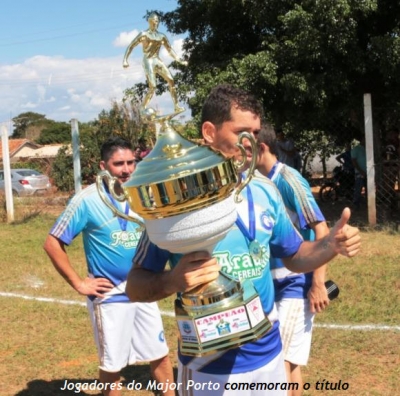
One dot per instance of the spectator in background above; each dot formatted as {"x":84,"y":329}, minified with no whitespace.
{"x":345,"y":159}
{"x":359,"y":160}
{"x":137,"y":154}
{"x":347,"y":176}
{"x":392,"y":147}
{"x":285,"y":149}
{"x":297,"y":160}
{"x":144,"y":149}
{"x":391,"y":163}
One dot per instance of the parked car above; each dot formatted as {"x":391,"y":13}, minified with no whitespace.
{"x":26,"y":182}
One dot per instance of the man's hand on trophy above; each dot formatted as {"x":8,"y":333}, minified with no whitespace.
{"x":195,"y":269}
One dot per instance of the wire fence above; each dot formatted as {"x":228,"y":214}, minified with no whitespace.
{"x":326,"y":144}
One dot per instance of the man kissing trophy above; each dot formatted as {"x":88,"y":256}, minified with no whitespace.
{"x":186,"y":194}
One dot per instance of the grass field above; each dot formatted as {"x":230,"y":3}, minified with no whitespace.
{"x":44,"y":343}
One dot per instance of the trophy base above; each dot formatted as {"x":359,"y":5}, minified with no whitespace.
{"x":215,"y":330}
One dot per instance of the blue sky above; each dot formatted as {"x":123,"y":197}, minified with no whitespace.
{"x":63,"y":59}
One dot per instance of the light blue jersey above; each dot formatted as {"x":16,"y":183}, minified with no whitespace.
{"x":276,"y":233}
{"x":109,"y":242}
{"x":303,"y":210}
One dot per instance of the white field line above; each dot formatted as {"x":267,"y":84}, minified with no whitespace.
{"x":365,"y":327}
{"x":57,"y":301}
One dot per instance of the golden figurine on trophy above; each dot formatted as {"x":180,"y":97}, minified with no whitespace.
{"x":152,"y":41}
{"x":187,"y":194}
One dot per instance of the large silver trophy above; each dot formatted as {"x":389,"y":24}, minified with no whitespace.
{"x":186,"y":194}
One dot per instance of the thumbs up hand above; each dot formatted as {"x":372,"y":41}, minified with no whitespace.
{"x":343,"y":238}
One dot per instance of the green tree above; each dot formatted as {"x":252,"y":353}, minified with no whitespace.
{"x":56,"y":132}
{"x":309,"y":61}
{"x":62,"y":170}
{"x":25,"y":120}
{"x":122,"y":120}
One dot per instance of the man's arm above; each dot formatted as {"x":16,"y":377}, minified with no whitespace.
{"x":193,"y":269}
{"x":147,"y":286}
{"x":318,"y":295}
{"x":55,"y":249}
{"x":340,"y":158}
{"x":342,"y":239}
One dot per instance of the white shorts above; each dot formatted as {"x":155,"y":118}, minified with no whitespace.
{"x":195,"y":383}
{"x":126,"y":333}
{"x":296,"y":323}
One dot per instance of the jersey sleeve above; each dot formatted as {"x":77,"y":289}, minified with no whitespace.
{"x":149,"y":256}
{"x":285,"y":240}
{"x":298,"y":198}
{"x":72,"y":221}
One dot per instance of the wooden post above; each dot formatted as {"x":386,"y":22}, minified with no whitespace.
{"x":7,"y":175}
{"x":369,"y":147}
{"x":76,"y":155}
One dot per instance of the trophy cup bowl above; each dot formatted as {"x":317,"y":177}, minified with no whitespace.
{"x":186,"y":193}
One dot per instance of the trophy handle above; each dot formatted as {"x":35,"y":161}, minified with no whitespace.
{"x":110,"y":180}
{"x":239,"y":164}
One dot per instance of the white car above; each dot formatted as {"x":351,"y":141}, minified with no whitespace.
{"x":26,"y":182}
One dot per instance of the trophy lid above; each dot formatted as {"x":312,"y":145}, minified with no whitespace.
{"x":173,"y":157}
{"x":180,"y":176}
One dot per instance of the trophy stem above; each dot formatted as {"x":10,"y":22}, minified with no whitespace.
{"x":218,"y":294}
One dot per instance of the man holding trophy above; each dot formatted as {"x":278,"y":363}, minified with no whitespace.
{"x":262,"y":228}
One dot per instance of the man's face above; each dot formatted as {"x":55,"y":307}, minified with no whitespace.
{"x":120,"y":165}
{"x":225,"y":138}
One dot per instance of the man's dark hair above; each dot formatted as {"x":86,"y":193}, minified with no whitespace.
{"x":111,"y":145}
{"x":222,"y":98}
{"x":267,"y":136}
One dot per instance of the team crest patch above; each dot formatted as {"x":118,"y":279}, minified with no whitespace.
{"x":266,"y":221}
